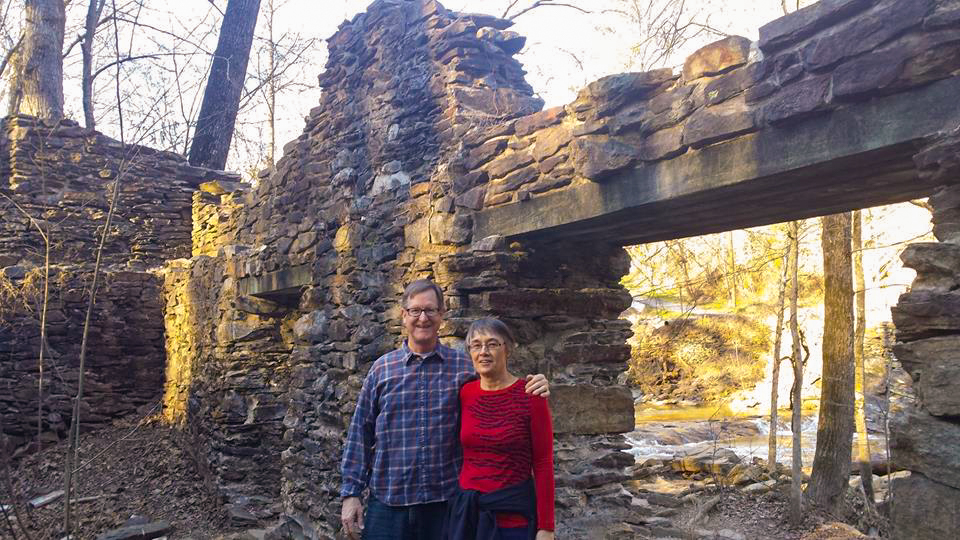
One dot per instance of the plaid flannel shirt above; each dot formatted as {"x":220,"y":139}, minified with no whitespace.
{"x":402,"y":442}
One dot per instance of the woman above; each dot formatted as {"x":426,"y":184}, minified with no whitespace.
{"x":506,"y":483}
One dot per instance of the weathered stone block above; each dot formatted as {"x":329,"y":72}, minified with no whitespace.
{"x":549,"y":141}
{"x":717,"y":57}
{"x":598,"y":157}
{"x":802,"y":23}
{"x":937,"y":264}
{"x":586,"y":409}
{"x":485,"y":152}
{"x":924,"y":509}
{"x":925,"y":313}
{"x":862,"y":34}
{"x":797,"y":100}
{"x":608,"y":93}
{"x":920,"y":442}
{"x":712,"y":124}
{"x":514,"y":180}
{"x":663,"y":144}
{"x":537,"y":121}
{"x":472,"y":199}
{"x":504,"y":165}
{"x":450,"y":229}
{"x":934,"y":366}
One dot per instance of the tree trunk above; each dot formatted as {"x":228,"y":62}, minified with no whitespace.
{"x":796,"y":400}
{"x":272,"y":89}
{"x":221,"y":98}
{"x":86,"y":48}
{"x":36,"y":84}
{"x":775,"y":376}
{"x":831,"y":461}
{"x":860,"y":296}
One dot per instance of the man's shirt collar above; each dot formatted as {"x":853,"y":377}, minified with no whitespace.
{"x":442,"y":353}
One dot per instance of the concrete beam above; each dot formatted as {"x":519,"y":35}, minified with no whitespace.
{"x":855,"y":157}
{"x":276,"y":285}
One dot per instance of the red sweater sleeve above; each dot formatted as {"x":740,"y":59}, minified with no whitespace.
{"x":541,"y":430}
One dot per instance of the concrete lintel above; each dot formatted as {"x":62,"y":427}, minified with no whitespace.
{"x":280,"y":283}
{"x":855,"y":157}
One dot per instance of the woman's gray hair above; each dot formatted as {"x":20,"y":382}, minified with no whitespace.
{"x":493,"y":327}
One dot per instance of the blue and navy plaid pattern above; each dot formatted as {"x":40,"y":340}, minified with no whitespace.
{"x":402,"y":441}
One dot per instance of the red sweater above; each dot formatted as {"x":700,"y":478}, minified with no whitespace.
{"x":507,"y":435}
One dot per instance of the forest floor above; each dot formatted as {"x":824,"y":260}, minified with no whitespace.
{"x":142,"y":469}
{"x":134,"y":468}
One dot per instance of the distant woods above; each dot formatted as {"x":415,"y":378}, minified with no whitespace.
{"x":193,"y":78}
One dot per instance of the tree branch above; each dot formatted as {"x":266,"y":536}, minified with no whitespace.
{"x":542,"y":3}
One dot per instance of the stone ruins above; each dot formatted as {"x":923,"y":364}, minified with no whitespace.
{"x":253,"y":313}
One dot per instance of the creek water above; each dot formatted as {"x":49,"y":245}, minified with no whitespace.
{"x":664,"y":432}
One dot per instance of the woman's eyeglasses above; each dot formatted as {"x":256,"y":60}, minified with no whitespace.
{"x":492,"y":346}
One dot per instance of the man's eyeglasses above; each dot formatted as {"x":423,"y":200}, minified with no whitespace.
{"x":492,"y":346}
{"x":429,"y":312}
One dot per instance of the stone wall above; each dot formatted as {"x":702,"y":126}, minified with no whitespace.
{"x":810,"y":62}
{"x":125,"y":354}
{"x":62,"y":176}
{"x":926,"y":431}
{"x":425,"y":119}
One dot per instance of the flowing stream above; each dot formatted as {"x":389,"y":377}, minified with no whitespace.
{"x":665,"y":432}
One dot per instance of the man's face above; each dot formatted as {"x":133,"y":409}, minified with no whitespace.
{"x":422,"y":317}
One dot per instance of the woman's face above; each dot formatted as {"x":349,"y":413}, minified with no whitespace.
{"x":489,"y":355}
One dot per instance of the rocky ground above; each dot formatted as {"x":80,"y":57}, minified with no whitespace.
{"x":715,"y":495}
{"x":139,"y":474}
{"x":135,"y":472}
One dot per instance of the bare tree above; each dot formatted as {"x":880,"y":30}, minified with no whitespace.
{"x":663,"y":27}
{"x":94,"y":10}
{"x":831,"y":462}
{"x":221,"y":99}
{"x":860,"y":293}
{"x":36,"y":87}
{"x":775,"y":361}
{"x":797,"y":361}
{"x":510,"y":14}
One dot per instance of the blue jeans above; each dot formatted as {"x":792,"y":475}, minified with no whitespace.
{"x":417,"y":522}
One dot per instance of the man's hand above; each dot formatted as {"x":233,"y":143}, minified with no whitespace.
{"x":351,"y":516}
{"x":537,"y":385}
{"x":544,"y":534}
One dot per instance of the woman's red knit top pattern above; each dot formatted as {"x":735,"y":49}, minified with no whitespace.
{"x":507,"y":435}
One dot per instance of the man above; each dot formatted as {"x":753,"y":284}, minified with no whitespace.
{"x":403,"y":439}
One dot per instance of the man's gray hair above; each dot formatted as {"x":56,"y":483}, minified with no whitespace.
{"x":420,"y":286}
{"x":493,"y":327}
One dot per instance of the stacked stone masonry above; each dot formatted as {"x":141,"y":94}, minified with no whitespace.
{"x":811,"y":62}
{"x":59,"y":179}
{"x":926,"y":431}
{"x":277,"y":298}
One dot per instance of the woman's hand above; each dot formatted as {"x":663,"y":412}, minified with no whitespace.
{"x":544,"y":534}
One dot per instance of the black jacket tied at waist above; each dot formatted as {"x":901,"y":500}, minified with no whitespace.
{"x":472,"y":515}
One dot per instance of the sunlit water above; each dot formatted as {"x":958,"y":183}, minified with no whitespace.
{"x":665,"y":432}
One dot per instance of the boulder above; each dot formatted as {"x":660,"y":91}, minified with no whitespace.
{"x":719,"y":461}
{"x":926,"y":444}
{"x":924,"y":509}
{"x":934,"y":366}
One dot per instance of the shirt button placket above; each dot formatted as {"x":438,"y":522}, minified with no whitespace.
{"x":422,"y":438}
